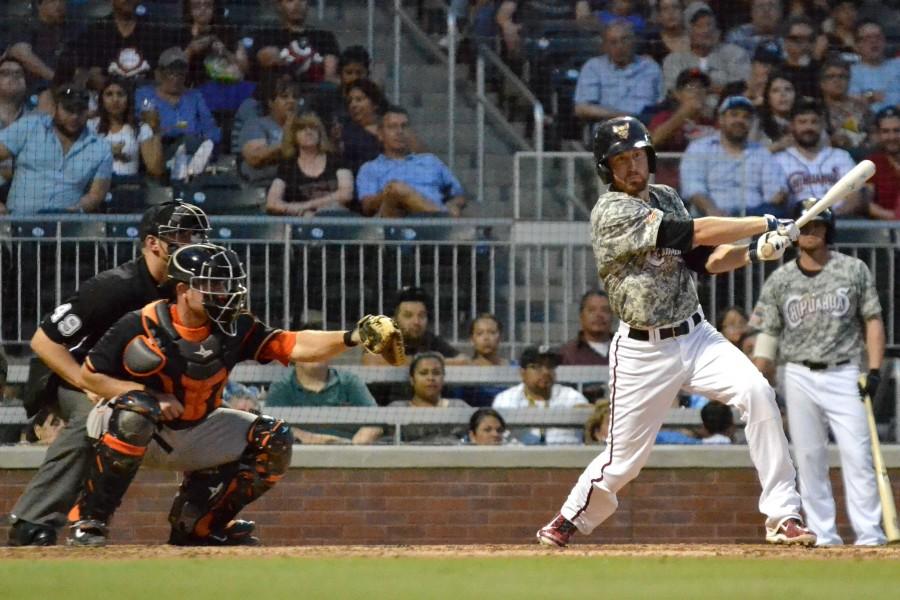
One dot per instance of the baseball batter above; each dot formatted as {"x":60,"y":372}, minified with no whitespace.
{"x":819,"y":309}
{"x":646,"y":246}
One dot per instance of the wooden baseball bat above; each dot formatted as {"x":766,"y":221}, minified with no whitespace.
{"x":851,"y":182}
{"x":885,"y":492}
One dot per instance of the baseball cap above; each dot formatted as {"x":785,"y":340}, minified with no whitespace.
{"x":767,"y":53}
{"x":72,"y":98}
{"x":732,"y":102}
{"x":695,"y":10}
{"x":538,"y":354}
{"x":888,"y":112}
{"x":689,"y":75}
{"x":172,"y":57}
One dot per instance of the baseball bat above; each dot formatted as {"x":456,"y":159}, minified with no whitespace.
{"x":846,"y":185}
{"x":888,"y":508}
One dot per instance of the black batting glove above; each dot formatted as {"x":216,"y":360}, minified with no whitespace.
{"x":872,"y":381}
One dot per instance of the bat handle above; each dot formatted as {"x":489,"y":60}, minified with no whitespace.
{"x":766,"y":251}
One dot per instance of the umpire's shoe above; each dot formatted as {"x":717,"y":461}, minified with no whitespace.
{"x":25,"y":533}
{"x":89,"y":533}
{"x":236,"y":533}
{"x":790,"y":531}
{"x":557,"y":532}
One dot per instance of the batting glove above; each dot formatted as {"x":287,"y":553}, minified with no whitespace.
{"x":868,"y":384}
{"x":785,"y":227}
{"x":775,"y":240}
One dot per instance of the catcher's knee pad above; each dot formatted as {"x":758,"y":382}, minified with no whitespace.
{"x":134,"y":418}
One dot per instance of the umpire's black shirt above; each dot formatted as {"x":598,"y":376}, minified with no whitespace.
{"x":85,"y":316}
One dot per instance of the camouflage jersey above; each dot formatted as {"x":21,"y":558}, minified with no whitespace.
{"x":818,"y":317}
{"x":647,"y":286}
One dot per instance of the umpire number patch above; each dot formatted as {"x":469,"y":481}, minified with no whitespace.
{"x":69,"y":325}
{"x":59,"y":311}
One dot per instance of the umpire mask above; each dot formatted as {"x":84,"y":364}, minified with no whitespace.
{"x":186,"y":224}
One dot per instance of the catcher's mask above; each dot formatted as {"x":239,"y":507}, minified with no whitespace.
{"x":177,"y":224}
{"x":217,"y":273}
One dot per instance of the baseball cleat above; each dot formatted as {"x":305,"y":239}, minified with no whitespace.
{"x":557,"y":532}
{"x":790,"y":531}
{"x":236,"y":533}
{"x":24,"y":533}
{"x":89,"y":533}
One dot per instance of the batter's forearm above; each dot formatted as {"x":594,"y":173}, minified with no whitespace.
{"x":875,"y":342}
{"x":727,"y":257}
{"x":714,"y":231}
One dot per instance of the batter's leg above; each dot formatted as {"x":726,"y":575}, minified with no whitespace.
{"x":809,"y":435}
{"x":719,"y":370}
{"x":644,"y":379}
{"x":847,"y":418}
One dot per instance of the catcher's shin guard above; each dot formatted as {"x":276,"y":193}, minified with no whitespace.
{"x":117,"y":456}
{"x":207,"y":501}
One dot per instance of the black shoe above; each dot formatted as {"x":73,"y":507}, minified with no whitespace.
{"x":236,"y":533}
{"x":89,"y":533}
{"x":25,"y":533}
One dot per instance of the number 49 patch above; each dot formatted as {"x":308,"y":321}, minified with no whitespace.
{"x":70,"y":324}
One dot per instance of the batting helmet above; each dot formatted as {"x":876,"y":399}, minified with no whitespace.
{"x":826,"y":216}
{"x":619,"y":135}
{"x":218,"y":274}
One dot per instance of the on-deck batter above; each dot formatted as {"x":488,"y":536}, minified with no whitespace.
{"x":816,"y":307}
{"x":645,"y":244}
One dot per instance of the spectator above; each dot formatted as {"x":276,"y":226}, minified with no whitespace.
{"x":310,"y":176}
{"x":886,"y":182}
{"x":260,"y":138}
{"x":484,"y":334}
{"x":723,"y":62}
{"x":513,"y":16}
{"x":184,"y":118}
{"x":687,"y":116}
{"x":747,"y":343}
{"x":596,"y":428}
{"x":60,"y":165}
{"x":353,"y":66}
{"x":799,"y":64}
{"x":122,"y":44}
{"x":766,"y":60}
{"x":619,"y":82}
{"x":670,"y":35}
{"x":732,"y":323}
{"x":411,"y":313}
{"x":426,"y":376}
{"x":765,"y":20}
{"x":847,"y":116}
{"x":486,"y":428}
{"x":810,"y":166}
{"x":591,"y":345}
{"x":726,"y":174}
{"x":875,"y":78}
{"x":241,"y":397}
{"x":718,"y":428}
{"x":318,"y":384}
{"x":309,"y":55}
{"x":840,"y":30}
{"x":399,"y":182}
{"x":366,"y":104}
{"x":39,"y":43}
{"x":773,"y":126}
{"x":130,"y":144}
{"x":12,"y":108}
{"x":622,"y":10}
{"x":539,"y":389}
{"x":46,"y":426}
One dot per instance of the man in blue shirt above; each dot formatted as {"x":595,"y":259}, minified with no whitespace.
{"x":617,"y":83}
{"x":875,"y":78}
{"x":60,"y":166}
{"x":724,"y":174}
{"x":400,"y":183}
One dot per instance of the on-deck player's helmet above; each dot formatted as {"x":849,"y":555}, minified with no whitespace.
{"x":217,"y":273}
{"x":826,"y":216}
{"x":620,"y":135}
{"x":176,"y":223}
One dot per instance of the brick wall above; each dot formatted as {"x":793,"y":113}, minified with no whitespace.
{"x":463,"y":506}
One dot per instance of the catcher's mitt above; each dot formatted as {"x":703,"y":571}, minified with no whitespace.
{"x":381,"y":335}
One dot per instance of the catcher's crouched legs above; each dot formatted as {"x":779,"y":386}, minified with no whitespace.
{"x":207,"y":501}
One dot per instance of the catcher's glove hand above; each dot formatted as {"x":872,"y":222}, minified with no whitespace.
{"x":381,"y":335}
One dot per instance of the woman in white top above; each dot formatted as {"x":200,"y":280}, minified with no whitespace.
{"x":130,"y":143}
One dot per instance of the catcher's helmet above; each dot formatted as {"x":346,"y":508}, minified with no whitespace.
{"x":826,"y":216}
{"x":620,"y":135}
{"x":218,"y":274}
{"x":176,"y":223}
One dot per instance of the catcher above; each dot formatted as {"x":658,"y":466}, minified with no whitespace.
{"x":163,"y":368}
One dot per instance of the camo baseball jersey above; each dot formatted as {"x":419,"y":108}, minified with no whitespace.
{"x":647,"y":286}
{"x":818,"y":317}
{"x":812,"y":178}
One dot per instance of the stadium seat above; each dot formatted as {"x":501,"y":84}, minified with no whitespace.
{"x":222,"y":194}
{"x":126,"y":198}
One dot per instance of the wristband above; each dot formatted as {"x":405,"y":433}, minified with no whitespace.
{"x":348,"y":339}
{"x":771,"y":222}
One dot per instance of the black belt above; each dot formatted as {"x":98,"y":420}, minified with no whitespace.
{"x":823,"y":366}
{"x":666,"y":332}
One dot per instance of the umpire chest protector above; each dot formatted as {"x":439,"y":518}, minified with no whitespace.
{"x":194,"y":371}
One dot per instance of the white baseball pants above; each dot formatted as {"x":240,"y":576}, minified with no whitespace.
{"x":645,"y":377}
{"x":817,"y":400}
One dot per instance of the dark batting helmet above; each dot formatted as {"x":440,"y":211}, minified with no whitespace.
{"x":217,"y":273}
{"x":826,"y":216}
{"x":619,"y":135}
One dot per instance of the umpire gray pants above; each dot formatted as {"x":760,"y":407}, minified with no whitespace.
{"x":52,"y":491}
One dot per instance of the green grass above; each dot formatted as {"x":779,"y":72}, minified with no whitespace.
{"x":561,"y":577}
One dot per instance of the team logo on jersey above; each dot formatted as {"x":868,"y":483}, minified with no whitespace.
{"x":621,"y":130}
{"x":203,"y":352}
{"x":657,"y":257}
{"x":835,"y":304}
{"x":68,"y":326}
{"x":803,"y":180}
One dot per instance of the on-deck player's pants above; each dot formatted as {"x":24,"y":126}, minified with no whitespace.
{"x":644,"y":380}
{"x":816,"y":400}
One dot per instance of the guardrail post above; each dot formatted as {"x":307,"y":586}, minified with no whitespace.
{"x":479,"y":121}
{"x":451,"y":89}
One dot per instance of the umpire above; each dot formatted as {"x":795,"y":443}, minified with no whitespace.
{"x":64,"y":339}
